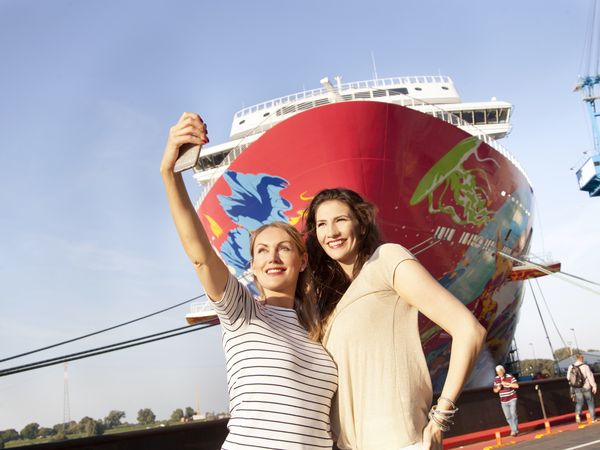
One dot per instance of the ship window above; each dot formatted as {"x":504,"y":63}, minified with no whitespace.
{"x":397,"y":91}
{"x":445,"y":88}
{"x":321,"y":101}
{"x":218,"y":158}
{"x":379,"y":93}
{"x":363,"y":94}
{"x":289,"y":109}
{"x":206,"y":162}
{"x":479,"y":117}
{"x":305,"y":105}
{"x":347,"y":97}
{"x":242,"y":121}
{"x":418,"y":89}
{"x":266,"y":114}
{"x":467,"y":116}
{"x":503,"y":115}
{"x":492,"y":116}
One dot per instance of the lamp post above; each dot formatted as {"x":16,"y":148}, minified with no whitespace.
{"x":534,"y":358}
{"x":575,"y":338}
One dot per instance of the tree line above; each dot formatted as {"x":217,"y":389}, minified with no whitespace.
{"x":88,"y":426}
{"x":546,"y":368}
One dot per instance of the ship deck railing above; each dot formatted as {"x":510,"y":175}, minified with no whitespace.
{"x":366,"y":84}
{"x":201,"y":306}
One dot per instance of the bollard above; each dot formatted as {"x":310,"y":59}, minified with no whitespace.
{"x":498,"y":438}
{"x":541,"y":397}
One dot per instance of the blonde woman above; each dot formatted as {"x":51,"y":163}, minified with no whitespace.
{"x":280,"y":381}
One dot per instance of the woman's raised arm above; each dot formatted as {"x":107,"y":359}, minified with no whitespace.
{"x":213,"y":273}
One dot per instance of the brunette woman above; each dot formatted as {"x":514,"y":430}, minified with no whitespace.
{"x":369,"y":296}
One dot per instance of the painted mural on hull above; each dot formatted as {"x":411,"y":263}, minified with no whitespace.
{"x":448,"y":197}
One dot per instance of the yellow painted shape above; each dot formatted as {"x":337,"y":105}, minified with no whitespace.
{"x":295,"y":220}
{"x":214,"y":226}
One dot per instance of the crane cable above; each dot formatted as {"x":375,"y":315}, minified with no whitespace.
{"x":550,"y":313}
{"x":542,"y":319}
{"x":585,"y":64}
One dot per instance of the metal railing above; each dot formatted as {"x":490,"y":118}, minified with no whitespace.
{"x":201,"y":307}
{"x":366,"y":84}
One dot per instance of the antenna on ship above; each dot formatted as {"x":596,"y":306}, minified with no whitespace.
{"x":588,"y":175}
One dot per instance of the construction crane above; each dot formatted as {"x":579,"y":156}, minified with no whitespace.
{"x":588,"y":175}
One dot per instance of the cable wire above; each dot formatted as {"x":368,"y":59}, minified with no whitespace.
{"x":101,"y":331}
{"x":549,"y":312}
{"x":562,"y":275}
{"x":105,"y":349}
{"x":542,"y":319}
{"x":98,"y":348}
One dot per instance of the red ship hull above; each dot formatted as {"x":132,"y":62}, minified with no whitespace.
{"x":450,"y":198}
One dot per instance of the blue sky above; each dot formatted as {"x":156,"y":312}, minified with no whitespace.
{"x":88,"y":90}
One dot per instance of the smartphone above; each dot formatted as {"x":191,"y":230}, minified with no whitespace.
{"x":188,"y":157}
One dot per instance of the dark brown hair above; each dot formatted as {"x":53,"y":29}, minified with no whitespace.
{"x":330,"y":280}
{"x":304,"y":296}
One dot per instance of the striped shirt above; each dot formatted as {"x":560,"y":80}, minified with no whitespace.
{"x":280,"y":382}
{"x":506,"y":393}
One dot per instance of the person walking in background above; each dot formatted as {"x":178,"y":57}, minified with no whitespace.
{"x":505,"y":385}
{"x":583,"y":385}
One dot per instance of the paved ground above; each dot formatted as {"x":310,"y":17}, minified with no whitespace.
{"x":564,"y":437}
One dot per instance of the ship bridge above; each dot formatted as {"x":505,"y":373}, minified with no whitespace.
{"x":429,"y":94}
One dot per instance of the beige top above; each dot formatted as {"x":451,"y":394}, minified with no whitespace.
{"x":384,"y":387}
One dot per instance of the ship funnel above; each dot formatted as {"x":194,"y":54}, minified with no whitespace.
{"x":333,"y":93}
{"x":327,"y":84}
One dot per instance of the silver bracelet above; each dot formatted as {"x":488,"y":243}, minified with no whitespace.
{"x":449,"y":401}
{"x":442,"y":417}
{"x":441,"y":425}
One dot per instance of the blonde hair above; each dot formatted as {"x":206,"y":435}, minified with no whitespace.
{"x":304,"y":297}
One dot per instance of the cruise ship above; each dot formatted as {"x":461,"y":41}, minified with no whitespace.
{"x":445,"y":189}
